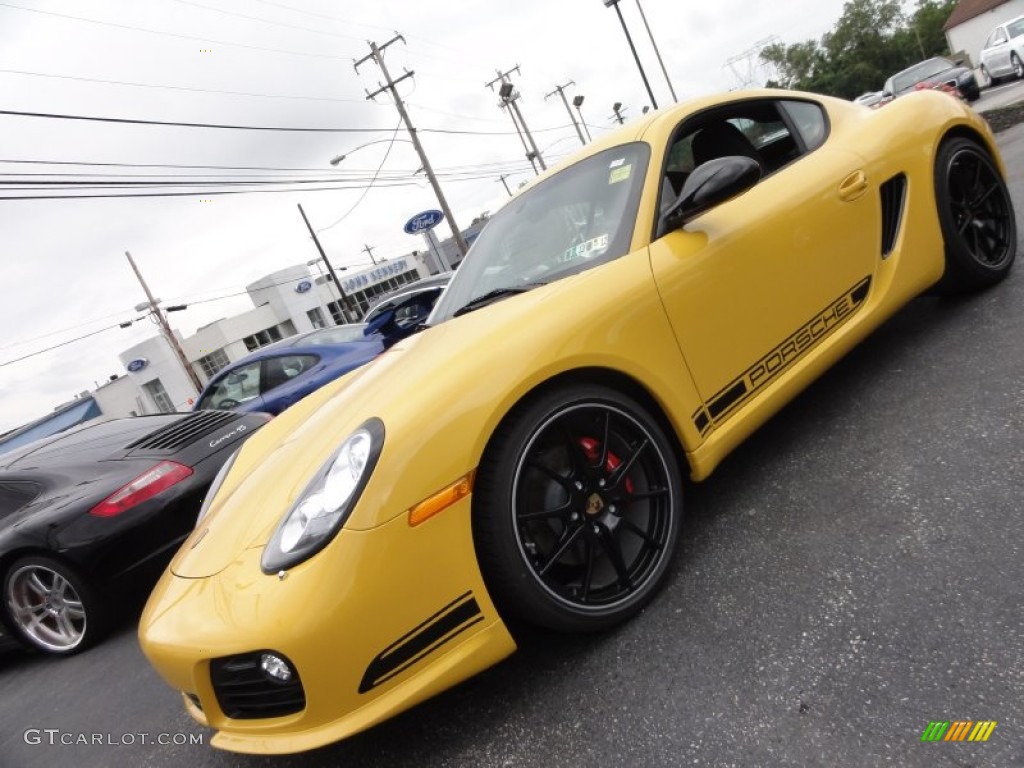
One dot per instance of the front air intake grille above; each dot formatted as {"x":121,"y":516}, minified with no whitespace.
{"x":184,"y":431}
{"x":894,"y":193}
{"x":245,"y":692}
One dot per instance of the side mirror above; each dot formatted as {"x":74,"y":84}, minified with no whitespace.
{"x":711,"y":183}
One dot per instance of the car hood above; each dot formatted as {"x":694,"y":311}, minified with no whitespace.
{"x":440,"y":395}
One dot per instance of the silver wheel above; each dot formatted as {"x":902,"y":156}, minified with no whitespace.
{"x":46,"y":608}
{"x":1018,"y":68}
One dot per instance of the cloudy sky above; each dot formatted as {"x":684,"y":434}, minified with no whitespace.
{"x":287,"y":63}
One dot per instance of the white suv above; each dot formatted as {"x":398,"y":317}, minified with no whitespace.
{"x":1003,"y":53}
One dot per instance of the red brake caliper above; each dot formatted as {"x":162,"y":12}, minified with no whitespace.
{"x":590,"y":446}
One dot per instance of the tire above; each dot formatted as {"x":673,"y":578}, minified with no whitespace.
{"x":991,"y":80}
{"x":577,"y":509}
{"x":1018,"y":68}
{"x":50,"y":607}
{"x":979,"y":228}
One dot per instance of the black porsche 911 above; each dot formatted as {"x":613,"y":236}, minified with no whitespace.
{"x":92,"y":514}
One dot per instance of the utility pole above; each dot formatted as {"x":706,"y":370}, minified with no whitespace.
{"x":577,"y":101}
{"x":369,"y":250}
{"x":617,"y":109}
{"x":330,"y":270}
{"x":154,"y":308}
{"x":560,"y":90}
{"x":636,"y":58}
{"x":657,"y":53}
{"x":502,"y":178}
{"x":509,"y":95}
{"x":376,"y":54}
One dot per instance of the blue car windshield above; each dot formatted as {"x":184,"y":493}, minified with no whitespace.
{"x":582,"y":216}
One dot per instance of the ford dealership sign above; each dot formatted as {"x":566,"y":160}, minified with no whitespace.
{"x":303,"y":286}
{"x":422,"y":222}
{"x":137,"y":364}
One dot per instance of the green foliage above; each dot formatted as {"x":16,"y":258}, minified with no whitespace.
{"x":872,"y":40}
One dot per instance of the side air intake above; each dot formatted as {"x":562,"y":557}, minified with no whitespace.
{"x":894,"y":195}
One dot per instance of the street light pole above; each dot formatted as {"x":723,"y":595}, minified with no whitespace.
{"x":636,"y":58}
{"x":657,"y":53}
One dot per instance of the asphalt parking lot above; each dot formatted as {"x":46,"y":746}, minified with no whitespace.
{"x":850,"y":574}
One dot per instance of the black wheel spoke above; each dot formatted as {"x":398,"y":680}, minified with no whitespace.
{"x":630,"y":526}
{"x":603,"y":461}
{"x":562,"y":480}
{"x":623,"y":469}
{"x":654,"y":493}
{"x":562,"y":510}
{"x":578,"y":456}
{"x":588,"y":573}
{"x":566,"y":541}
{"x":613,"y":549}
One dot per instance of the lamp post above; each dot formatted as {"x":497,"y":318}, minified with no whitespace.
{"x":577,"y":102}
{"x":338,"y":158}
{"x":636,"y":58}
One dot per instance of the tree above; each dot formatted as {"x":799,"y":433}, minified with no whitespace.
{"x":871,"y":40}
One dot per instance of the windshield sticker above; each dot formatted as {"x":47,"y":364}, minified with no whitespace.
{"x":617,"y":163}
{"x":619,"y":174}
{"x":584,"y":250}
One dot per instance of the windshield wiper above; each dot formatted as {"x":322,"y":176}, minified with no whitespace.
{"x":492,"y":296}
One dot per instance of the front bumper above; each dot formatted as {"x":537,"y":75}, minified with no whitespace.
{"x":373,"y":624}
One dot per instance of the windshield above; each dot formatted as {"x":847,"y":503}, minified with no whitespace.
{"x":920,"y":72}
{"x":578,"y":218}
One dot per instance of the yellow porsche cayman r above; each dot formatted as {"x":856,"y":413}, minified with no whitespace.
{"x":626,"y":320}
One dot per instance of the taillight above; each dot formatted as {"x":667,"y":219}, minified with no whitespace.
{"x":145,"y":486}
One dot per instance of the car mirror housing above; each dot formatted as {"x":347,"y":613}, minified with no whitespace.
{"x":711,"y":183}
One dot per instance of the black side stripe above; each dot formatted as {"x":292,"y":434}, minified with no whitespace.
{"x":451,"y":621}
{"x":795,"y":346}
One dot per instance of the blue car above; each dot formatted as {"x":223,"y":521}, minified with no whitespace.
{"x":276,"y":376}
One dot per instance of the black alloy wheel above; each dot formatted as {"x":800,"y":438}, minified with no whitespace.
{"x":979,"y":227}
{"x":577,"y":509}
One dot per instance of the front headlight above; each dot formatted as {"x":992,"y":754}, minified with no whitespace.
{"x":322,"y":508}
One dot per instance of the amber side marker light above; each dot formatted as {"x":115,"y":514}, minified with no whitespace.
{"x":441,"y":500}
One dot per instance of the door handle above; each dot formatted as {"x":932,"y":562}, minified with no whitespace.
{"x":853,"y":186}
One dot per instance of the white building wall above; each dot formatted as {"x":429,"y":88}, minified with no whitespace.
{"x":970,"y":36}
{"x":120,"y":397}
{"x":290,"y":293}
{"x":161,"y":364}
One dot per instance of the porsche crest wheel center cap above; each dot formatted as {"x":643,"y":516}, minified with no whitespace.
{"x":594,"y":504}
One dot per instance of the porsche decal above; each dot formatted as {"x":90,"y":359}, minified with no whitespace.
{"x":780,"y":358}
{"x":452,"y":620}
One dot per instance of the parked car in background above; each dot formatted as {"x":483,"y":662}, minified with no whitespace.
{"x":280,"y":374}
{"x":402,"y":310}
{"x":1003,"y":53}
{"x":872,"y":98}
{"x":935,"y":73}
{"x":98,"y":510}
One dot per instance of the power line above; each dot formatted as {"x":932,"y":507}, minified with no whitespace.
{"x":267,"y":21}
{"x":177,"y":87}
{"x":391,"y":144}
{"x":174,"y":34}
{"x":177,"y":124}
{"x":58,"y":346}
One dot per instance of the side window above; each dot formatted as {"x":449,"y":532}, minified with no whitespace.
{"x":281,"y":370}
{"x":1000,"y":37}
{"x":772,"y":132}
{"x":237,"y":387}
{"x":810,"y":122}
{"x":15,"y":495}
